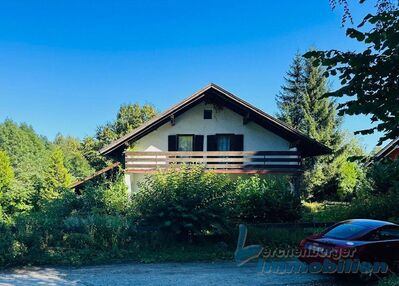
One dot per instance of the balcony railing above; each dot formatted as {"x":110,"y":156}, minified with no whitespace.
{"x":219,"y":161}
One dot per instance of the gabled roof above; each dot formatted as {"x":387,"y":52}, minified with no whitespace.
{"x":214,"y":93}
{"x":387,"y":149}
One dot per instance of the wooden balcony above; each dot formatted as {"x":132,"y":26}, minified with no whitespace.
{"x":261,"y":162}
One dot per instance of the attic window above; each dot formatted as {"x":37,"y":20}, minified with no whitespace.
{"x":207,"y":114}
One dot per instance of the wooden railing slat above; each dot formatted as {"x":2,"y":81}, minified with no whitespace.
{"x":213,"y":153}
{"x":217,"y":160}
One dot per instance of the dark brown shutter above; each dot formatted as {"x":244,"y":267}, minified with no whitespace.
{"x":198,"y":143}
{"x":237,"y":143}
{"x":211,"y":142}
{"x":172,"y":143}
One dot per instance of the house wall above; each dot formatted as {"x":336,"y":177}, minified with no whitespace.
{"x":394,"y":155}
{"x":256,"y":138}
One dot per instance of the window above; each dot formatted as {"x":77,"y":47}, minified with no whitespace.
{"x":387,"y":233}
{"x":346,"y":231}
{"x":392,"y":233}
{"x":223,"y":142}
{"x":207,"y":114}
{"x":185,"y":142}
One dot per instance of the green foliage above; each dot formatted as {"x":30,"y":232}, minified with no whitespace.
{"x":90,"y":150}
{"x":349,"y":175}
{"x":289,"y":100}
{"x":94,"y":227}
{"x":391,"y":280}
{"x":188,"y":200}
{"x":369,"y":78}
{"x":277,"y":238}
{"x":109,"y":197}
{"x":381,"y":5}
{"x":258,"y":200}
{"x":336,"y":177}
{"x":302,"y":106}
{"x":383,"y":177}
{"x":56,"y":179}
{"x":377,"y":198}
{"x":195,"y":201}
{"x":29,"y":154}
{"x":129,"y":117}
{"x":325,"y":212}
{"x":322,"y":124}
{"x":57,"y":175}
{"x":320,"y":117}
{"x":6,"y":172}
{"x":74,"y":160}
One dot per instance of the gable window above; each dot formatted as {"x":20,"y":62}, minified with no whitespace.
{"x":185,"y":142}
{"x":207,"y":114}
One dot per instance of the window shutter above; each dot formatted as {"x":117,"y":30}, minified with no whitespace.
{"x":211,"y":142}
{"x":172,"y":143}
{"x":237,"y":143}
{"x":198,"y":143}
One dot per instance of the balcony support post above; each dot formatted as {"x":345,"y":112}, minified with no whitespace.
{"x":128,"y":182}
{"x":296,"y":184}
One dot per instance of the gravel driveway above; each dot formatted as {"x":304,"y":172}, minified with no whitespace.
{"x":179,"y":274}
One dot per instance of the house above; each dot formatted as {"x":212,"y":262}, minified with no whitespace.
{"x":389,"y":151}
{"x":217,"y":130}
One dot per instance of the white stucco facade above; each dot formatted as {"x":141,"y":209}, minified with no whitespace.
{"x":256,"y":138}
{"x":224,"y":120}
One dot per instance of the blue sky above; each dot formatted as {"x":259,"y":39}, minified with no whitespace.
{"x":66,"y":66}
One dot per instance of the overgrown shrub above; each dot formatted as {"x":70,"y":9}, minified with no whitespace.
{"x":101,"y":223}
{"x":188,"y":200}
{"x":391,"y":280}
{"x":261,"y":200}
{"x":325,"y":212}
{"x":383,"y":177}
{"x":110,"y":197}
{"x":377,"y":198}
{"x":191,"y":200}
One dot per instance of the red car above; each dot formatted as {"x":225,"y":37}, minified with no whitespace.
{"x":354,"y":241}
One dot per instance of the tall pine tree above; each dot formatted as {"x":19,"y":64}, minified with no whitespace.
{"x":320,"y":122}
{"x":302,"y":105}
{"x":320,"y":119}
{"x":289,"y":100}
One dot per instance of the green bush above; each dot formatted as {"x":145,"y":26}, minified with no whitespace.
{"x":325,"y":212}
{"x":392,"y":280}
{"x":183,"y":201}
{"x":101,"y":224}
{"x":376,"y":198}
{"x":383,"y":177}
{"x":258,"y":200}
{"x":192,"y":200}
{"x":109,"y":197}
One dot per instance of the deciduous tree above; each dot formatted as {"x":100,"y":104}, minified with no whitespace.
{"x":369,"y":78}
